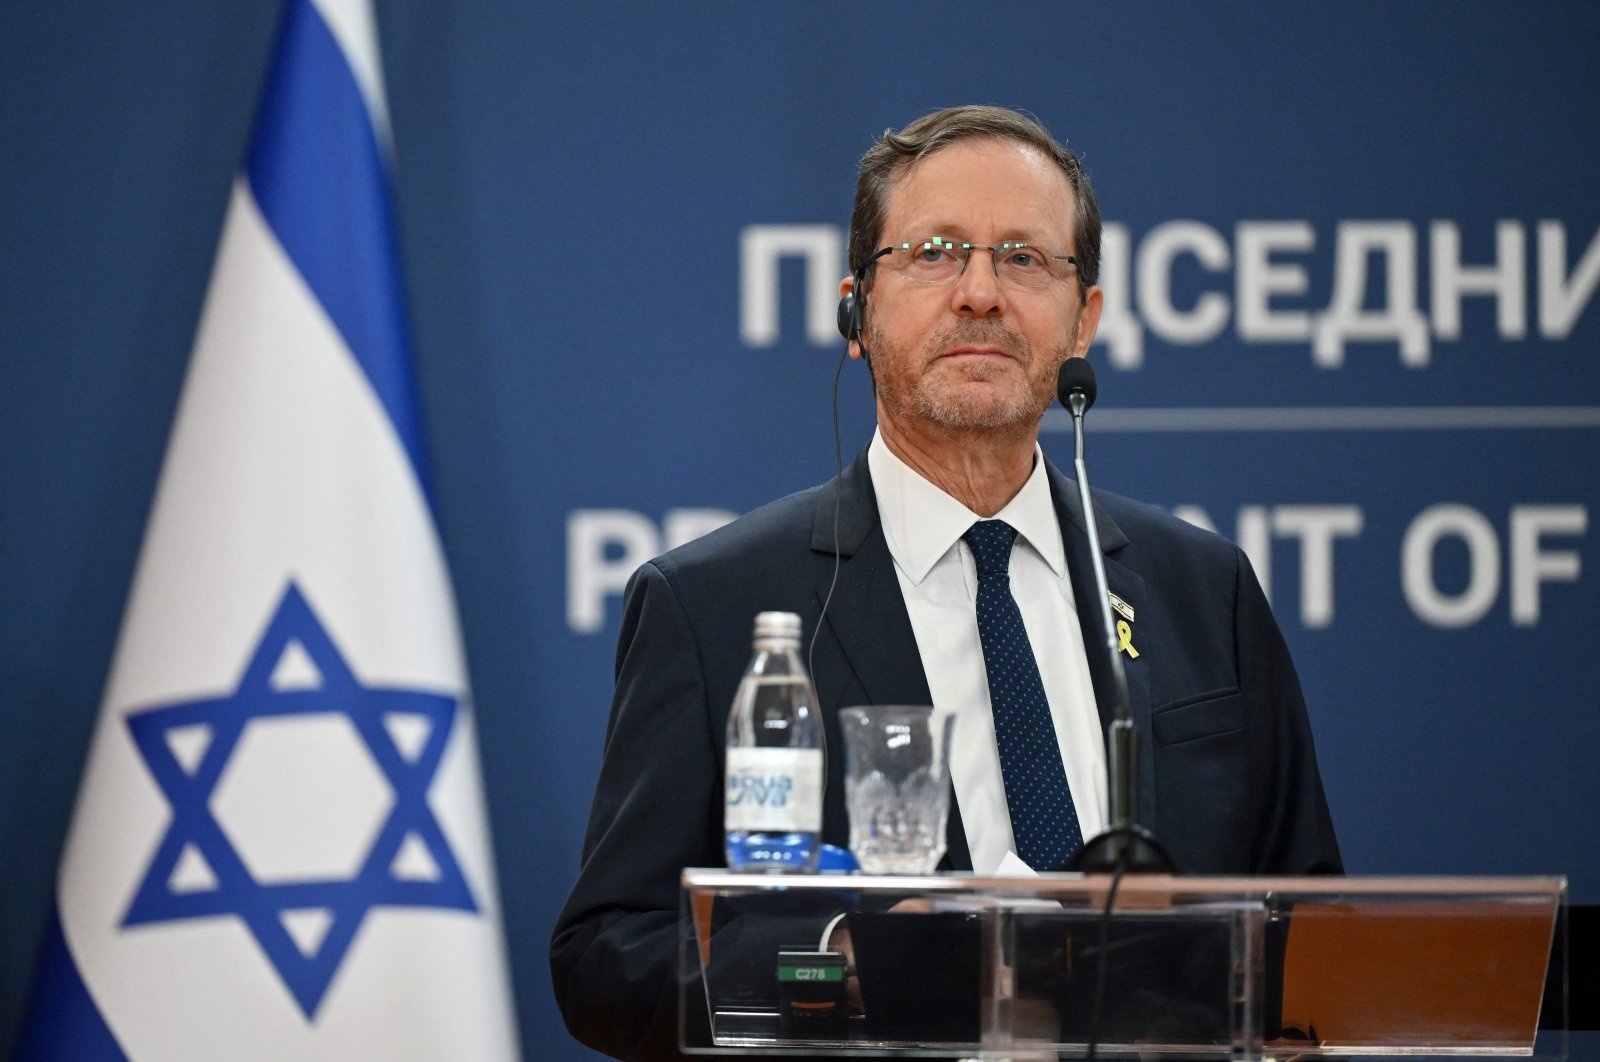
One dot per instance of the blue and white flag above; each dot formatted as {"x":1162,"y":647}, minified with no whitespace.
{"x":279,"y":849}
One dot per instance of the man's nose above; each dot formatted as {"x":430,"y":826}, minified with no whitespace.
{"x":977,"y":291}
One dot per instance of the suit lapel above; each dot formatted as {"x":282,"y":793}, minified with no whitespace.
{"x":867,"y":615}
{"x":1128,"y":585}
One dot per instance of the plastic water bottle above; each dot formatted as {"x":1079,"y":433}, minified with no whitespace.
{"x":773,"y":802}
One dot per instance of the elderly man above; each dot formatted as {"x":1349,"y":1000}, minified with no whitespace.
{"x":974,"y":248}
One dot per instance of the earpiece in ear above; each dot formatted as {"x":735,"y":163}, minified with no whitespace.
{"x":853,"y":306}
{"x":848,"y":324}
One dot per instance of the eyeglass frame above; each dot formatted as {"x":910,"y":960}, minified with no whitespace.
{"x":966,"y":255}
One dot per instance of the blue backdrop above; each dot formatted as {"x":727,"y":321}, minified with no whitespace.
{"x":1333,"y":229}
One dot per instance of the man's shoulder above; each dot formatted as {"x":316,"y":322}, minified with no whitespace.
{"x":1168,"y":551}
{"x":776,"y":529}
{"x":1142,"y":524}
{"x":1145,"y":523}
{"x":1188,"y":572}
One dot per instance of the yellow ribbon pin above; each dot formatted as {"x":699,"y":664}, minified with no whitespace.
{"x":1125,"y":640}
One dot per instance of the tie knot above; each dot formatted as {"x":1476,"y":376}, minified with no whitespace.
{"x":991,"y":545}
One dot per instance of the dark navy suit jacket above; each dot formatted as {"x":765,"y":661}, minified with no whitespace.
{"x":1228,"y":777}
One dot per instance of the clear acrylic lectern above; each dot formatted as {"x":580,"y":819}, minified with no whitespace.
{"x":965,"y":966}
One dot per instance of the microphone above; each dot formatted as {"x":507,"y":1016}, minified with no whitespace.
{"x":1125,"y":845}
{"x":1076,"y":379}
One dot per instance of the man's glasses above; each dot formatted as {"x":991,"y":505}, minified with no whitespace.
{"x":940,"y":260}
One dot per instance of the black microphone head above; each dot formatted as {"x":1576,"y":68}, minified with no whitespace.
{"x":1077,"y":375}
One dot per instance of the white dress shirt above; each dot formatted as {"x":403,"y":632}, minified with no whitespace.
{"x":938,"y":578}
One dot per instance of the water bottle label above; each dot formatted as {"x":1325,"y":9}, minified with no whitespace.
{"x":773,"y":790}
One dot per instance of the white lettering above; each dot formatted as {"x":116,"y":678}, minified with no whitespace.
{"x":1422,"y":593}
{"x":1530,"y":565}
{"x":1259,"y":278}
{"x":1161,"y":245}
{"x":592,"y":576}
{"x":606,"y":546}
{"x":1316,"y":526}
{"x":760,"y":248}
{"x":1348,"y":319}
{"x":1561,"y":302}
{"x":1119,"y":330}
{"x":1506,"y":280}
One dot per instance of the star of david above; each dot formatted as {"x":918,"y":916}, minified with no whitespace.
{"x":304,"y":927}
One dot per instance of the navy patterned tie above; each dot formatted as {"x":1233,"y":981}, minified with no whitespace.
{"x":1044,"y":822}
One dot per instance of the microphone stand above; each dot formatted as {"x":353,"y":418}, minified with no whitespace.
{"x":1126,"y":847}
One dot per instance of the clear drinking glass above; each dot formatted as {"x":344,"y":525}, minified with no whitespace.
{"x":897,"y":786}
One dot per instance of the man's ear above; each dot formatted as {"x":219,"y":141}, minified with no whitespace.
{"x":850,"y":315}
{"x":1094,"y":301}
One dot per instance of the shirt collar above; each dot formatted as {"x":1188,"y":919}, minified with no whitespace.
{"x":921,"y":523}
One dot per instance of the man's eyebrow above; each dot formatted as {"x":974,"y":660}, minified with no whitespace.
{"x":1012,"y":234}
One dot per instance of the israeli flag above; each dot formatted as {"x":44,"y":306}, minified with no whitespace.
{"x":279,"y":849}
